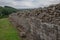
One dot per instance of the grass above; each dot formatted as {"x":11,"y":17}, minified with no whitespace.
{"x":7,"y":31}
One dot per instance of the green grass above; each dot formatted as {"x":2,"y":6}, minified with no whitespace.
{"x":7,"y":31}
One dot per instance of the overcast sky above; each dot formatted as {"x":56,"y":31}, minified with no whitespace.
{"x":27,"y":3}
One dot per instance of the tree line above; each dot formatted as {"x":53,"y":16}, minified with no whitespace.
{"x":6,"y":10}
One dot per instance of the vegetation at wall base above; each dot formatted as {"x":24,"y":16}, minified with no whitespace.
{"x":7,"y":31}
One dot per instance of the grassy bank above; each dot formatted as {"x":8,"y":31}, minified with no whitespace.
{"x":7,"y":31}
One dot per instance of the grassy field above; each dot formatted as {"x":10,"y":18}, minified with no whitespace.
{"x":7,"y":31}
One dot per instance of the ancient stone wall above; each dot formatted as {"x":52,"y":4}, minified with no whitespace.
{"x":39,"y":24}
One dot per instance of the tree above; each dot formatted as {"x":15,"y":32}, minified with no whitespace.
{"x":6,"y":10}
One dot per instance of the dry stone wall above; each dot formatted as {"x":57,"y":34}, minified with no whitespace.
{"x":39,"y":24}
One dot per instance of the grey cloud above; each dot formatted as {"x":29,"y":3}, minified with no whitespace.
{"x":28,"y":3}
{"x":3,"y":3}
{"x":18,"y":0}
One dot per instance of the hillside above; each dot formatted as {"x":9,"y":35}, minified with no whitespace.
{"x":6,"y":10}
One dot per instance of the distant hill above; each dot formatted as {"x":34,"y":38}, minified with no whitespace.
{"x":6,"y":10}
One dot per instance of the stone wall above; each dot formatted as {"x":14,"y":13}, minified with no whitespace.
{"x":39,"y":24}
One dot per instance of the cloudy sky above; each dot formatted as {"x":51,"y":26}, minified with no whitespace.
{"x":28,"y":3}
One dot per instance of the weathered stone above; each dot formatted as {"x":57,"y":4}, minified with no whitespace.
{"x":39,"y":24}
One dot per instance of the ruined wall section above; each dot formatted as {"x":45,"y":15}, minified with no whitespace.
{"x":39,"y":24}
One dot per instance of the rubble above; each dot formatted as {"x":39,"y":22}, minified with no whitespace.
{"x":39,"y":24}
